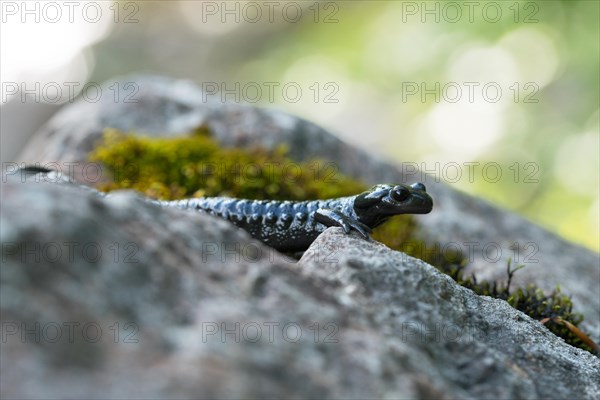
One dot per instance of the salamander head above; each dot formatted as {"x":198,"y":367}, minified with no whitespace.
{"x":380,"y":202}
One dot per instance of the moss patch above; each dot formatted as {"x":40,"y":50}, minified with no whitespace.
{"x":532,"y":301}
{"x":196,"y":165}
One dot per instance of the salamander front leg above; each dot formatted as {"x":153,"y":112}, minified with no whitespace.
{"x":335,"y":218}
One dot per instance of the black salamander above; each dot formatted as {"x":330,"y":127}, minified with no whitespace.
{"x":291,"y":226}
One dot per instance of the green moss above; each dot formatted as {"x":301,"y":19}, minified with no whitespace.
{"x":554,"y":306}
{"x":195,"y":165}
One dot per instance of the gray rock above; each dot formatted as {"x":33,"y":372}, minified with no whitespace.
{"x":136,"y":311}
{"x":477,"y":346}
{"x":159,"y":283}
{"x":164,"y":107}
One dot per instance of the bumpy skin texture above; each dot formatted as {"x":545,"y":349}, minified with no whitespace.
{"x":291,"y":226}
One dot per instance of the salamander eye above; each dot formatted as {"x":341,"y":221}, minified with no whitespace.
{"x":400,"y":193}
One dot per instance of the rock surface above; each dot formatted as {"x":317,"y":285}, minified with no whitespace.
{"x":162,"y":107}
{"x":136,"y":310}
{"x":114,"y":297}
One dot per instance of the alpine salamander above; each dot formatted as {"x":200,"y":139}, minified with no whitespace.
{"x":291,"y":226}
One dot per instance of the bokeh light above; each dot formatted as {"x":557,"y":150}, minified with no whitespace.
{"x":51,"y":47}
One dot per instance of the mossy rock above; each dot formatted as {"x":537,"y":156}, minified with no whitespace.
{"x":196,"y":165}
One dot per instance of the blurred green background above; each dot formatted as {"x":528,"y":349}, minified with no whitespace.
{"x":465,"y":90}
